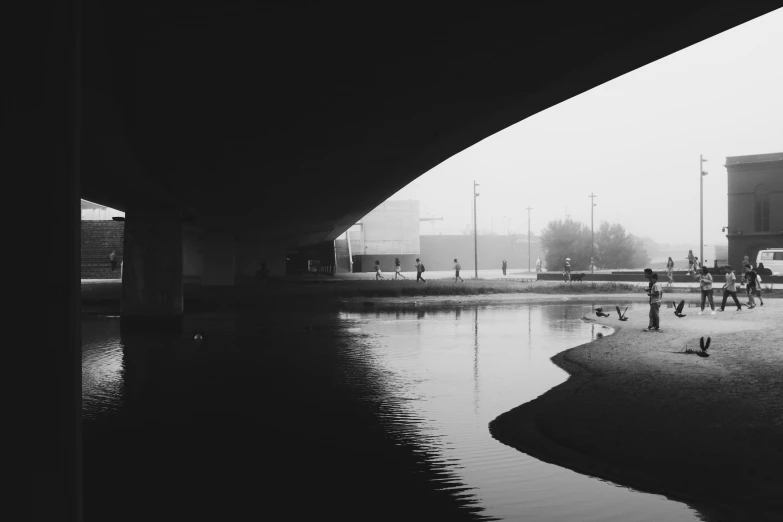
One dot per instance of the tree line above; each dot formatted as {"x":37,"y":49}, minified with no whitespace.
{"x":613,"y":248}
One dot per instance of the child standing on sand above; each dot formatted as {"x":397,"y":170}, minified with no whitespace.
{"x":656,"y":296}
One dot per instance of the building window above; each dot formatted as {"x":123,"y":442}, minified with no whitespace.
{"x":761,"y":209}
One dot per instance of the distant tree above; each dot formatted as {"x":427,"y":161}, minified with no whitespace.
{"x":616,"y":248}
{"x":566,"y":238}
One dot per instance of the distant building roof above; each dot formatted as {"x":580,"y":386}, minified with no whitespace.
{"x":755,"y":158}
{"x":89,"y":205}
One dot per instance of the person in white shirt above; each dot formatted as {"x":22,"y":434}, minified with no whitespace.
{"x":456,"y":271}
{"x":705,"y":282}
{"x":538,"y":264}
{"x":730,"y":288}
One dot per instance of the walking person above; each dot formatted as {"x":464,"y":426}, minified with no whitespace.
{"x":670,"y":271}
{"x":503,"y":265}
{"x":113,"y":260}
{"x":758,"y":285}
{"x":656,"y":297}
{"x":456,"y":271}
{"x":378,"y":271}
{"x":419,"y":270}
{"x":705,"y":283}
{"x":538,"y":264}
{"x":689,"y":257}
{"x":398,"y":269}
{"x":730,"y":289}
{"x":751,"y":278}
{"x":567,"y":269}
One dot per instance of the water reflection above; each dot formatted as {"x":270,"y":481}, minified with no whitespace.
{"x":370,"y":415}
{"x":102,"y":367}
{"x":511,"y":485}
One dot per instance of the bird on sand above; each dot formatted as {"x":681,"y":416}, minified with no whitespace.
{"x":622,"y":314}
{"x":704,"y":346}
{"x":600,"y":313}
{"x":678,"y":308}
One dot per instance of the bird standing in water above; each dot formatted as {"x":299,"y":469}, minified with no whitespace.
{"x":678,"y":308}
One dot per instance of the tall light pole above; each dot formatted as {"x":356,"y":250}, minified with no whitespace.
{"x":528,"y":238}
{"x":701,"y":208}
{"x":592,"y":236}
{"x":475,"y":238}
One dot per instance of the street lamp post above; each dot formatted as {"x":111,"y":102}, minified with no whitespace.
{"x":528,"y":238}
{"x":592,"y":236}
{"x":701,"y":208}
{"x":475,"y":237}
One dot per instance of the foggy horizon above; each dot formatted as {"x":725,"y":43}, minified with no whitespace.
{"x":645,"y":129}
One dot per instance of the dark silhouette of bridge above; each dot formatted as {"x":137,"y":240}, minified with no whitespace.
{"x":269,"y":126}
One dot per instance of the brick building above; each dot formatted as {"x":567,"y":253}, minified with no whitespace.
{"x":755,"y":194}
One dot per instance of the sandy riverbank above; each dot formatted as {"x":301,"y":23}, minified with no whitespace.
{"x":708,"y":431}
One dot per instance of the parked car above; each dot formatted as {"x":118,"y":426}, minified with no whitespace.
{"x":772,"y":259}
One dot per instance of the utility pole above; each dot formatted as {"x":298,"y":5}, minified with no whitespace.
{"x":701,"y":209}
{"x":592,"y":236}
{"x":528,"y":238}
{"x":475,"y":238}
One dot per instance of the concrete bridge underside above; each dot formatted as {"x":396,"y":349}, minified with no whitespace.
{"x":267,"y":126}
{"x":270,"y":127}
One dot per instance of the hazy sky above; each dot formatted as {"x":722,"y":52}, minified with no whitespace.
{"x":721,"y":97}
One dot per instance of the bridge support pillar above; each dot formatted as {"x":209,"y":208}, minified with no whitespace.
{"x":152,"y":279}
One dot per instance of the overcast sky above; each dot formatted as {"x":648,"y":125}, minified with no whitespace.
{"x":721,"y":97}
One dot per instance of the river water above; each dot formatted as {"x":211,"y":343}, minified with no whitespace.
{"x":362,"y":415}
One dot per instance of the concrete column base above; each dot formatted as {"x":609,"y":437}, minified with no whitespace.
{"x":152,"y":281}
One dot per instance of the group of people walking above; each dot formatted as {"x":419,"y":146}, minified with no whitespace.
{"x":398,"y":270}
{"x":420,"y":269}
{"x":750,"y":278}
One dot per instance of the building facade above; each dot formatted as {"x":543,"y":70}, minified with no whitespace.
{"x":755,"y":196}
{"x":392,"y":230}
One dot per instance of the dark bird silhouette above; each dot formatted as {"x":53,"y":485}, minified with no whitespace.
{"x":622,"y":314}
{"x":704,"y":346}
{"x":599,"y":312}
{"x":678,"y":308}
